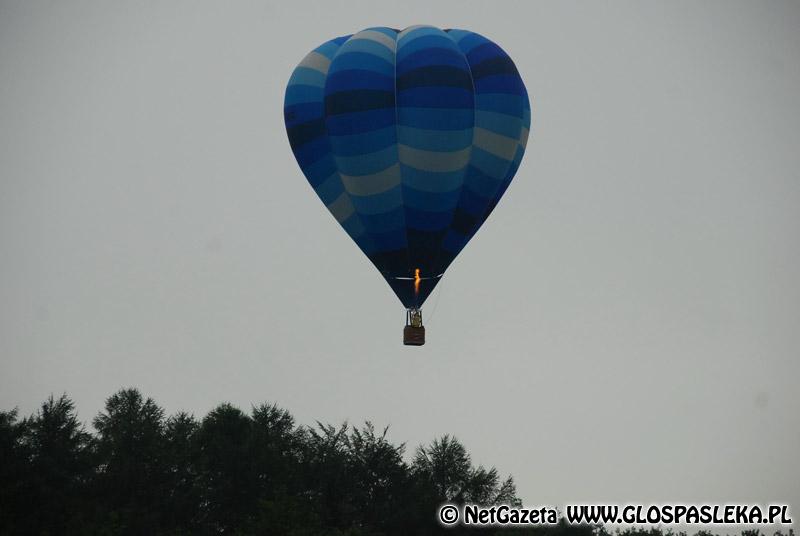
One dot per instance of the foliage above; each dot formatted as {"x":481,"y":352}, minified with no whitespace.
{"x":142,"y":472}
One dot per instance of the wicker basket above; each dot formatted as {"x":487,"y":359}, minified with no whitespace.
{"x":413,"y":336}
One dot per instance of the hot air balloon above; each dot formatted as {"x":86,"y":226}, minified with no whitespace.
{"x":409,"y":138}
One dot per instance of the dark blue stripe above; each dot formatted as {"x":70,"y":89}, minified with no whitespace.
{"x":312,"y":151}
{"x":355,"y":123}
{"x":499,"y":65}
{"x":435,"y":75}
{"x":295,"y":114}
{"x":305,"y":132}
{"x":358,"y":101}
{"x":500,"y":83}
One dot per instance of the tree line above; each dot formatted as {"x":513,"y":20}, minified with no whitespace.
{"x":140,"y":471}
{"x":143,"y":472}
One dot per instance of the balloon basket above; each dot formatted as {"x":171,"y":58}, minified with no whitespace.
{"x":413,"y":336}
{"x":414,"y":332}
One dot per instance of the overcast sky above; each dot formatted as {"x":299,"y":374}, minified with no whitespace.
{"x":625,"y":327}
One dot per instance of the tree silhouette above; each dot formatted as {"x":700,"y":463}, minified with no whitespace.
{"x":234,"y":473}
{"x":132,"y":463}
{"x":16,"y":476}
{"x":447,"y":466}
{"x":60,"y":462}
{"x":182,"y":498}
{"x":229,"y":483}
{"x":380,"y":480}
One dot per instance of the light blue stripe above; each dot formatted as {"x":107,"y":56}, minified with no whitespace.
{"x":368,"y":46}
{"x":431,"y":181}
{"x":440,"y":162}
{"x":367,"y":164}
{"x":457,"y":35}
{"x":307,"y":76}
{"x":409,"y":46}
{"x":384,"y":30}
{"x":328,"y":49}
{"x":405,"y":35}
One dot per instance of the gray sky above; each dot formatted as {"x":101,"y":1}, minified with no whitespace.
{"x":625,"y":327}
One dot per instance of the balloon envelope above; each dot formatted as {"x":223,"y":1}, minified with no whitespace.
{"x":409,"y":138}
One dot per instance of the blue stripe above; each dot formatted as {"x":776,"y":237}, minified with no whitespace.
{"x":431,"y":181}
{"x":436,"y":97}
{"x":367,"y":142}
{"x":299,"y":93}
{"x":500,"y":123}
{"x":361,"y":62}
{"x":424,"y":220}
{"x":435,"y":118}
{"x":392,"y":220}
{"x":321,"y":169}
{"x":499,"y":102}
{"x":435,"y":140}
{"x":390,"y":241}
{"x":429,"y":201}
{"x":358,"y":79}
{"x":488,"y":164}
{"x":378,"y":203}
{"x":430,"y":56}
{"x":330,"y":189}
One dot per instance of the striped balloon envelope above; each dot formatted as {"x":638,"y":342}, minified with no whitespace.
{"x":409,"y":138}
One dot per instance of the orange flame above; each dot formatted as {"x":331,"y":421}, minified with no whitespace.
{"x":417,"y":280}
